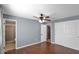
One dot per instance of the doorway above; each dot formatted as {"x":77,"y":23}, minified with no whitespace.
{"x":48,"y":33}
{"x":10,"y":35}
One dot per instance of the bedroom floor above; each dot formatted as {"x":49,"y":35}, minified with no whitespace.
{"x":43,"y":48}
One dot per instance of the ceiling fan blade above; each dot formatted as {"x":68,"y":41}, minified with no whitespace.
{"x":36,"y":17}
{"x":48,"y":20}
{"x":47,"y":17}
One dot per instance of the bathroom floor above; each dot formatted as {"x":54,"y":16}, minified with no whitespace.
{"x":10,"y":45}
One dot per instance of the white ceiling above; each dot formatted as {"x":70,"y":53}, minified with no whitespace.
{"x":53,"y":10}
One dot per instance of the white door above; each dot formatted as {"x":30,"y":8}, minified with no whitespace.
{"x":43,"y":32}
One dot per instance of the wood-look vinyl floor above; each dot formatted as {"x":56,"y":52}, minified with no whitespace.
{"x":9,"y":46}
{"x":44,"y":48}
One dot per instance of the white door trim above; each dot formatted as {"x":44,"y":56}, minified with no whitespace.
{"x":4,"y":32}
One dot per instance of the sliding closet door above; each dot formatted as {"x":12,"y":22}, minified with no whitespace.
{"x":67,"y":34}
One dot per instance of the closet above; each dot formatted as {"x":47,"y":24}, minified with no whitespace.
{"x":67,"y":34}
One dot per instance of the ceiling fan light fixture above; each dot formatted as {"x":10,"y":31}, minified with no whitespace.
{"x":41,"y":21}
{"x":42,"y":18}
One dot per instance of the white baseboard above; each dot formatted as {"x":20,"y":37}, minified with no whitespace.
{"x":43,"y":41}
{"x":67,"y":47}
{"x":53,"y":42}
{"x":28,"y":45}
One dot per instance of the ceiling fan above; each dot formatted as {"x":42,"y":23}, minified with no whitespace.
{"x":42,"y":18}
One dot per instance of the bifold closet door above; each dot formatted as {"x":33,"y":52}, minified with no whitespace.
{"x":67,"y":34}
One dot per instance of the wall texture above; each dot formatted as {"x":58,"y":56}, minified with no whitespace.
{"x":28,"y":31}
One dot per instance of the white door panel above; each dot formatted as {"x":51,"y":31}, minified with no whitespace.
{"x":43,"y":32}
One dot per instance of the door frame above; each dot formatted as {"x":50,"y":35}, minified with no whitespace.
{"x":4,"y":20}
{"x":51,"y":31}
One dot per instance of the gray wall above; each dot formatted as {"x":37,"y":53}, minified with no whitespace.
{"x":28,"y":31}
{"x":53,"y":32}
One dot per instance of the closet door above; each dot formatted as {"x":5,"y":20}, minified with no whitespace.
{"x":67,"y":34}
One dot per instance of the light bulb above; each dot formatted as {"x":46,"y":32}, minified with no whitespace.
{"x":40,"y":21}
{"x":43,"y":21}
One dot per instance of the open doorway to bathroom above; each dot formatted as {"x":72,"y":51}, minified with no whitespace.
{"x":10,"y":35}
